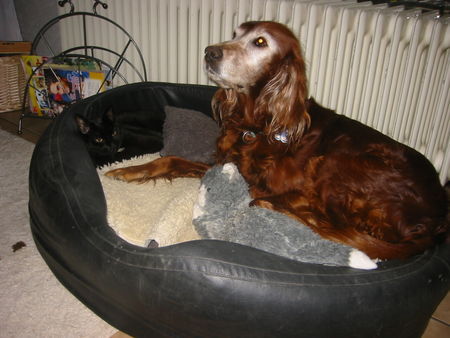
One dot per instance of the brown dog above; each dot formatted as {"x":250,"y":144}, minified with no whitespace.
{"x":346,"y":181}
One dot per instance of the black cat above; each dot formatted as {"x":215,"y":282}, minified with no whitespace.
{"x":116,"y":137}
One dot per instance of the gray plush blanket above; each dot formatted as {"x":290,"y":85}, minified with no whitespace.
{"x":223,"y":212}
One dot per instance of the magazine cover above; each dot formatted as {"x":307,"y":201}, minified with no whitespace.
{"x":55,"y":85}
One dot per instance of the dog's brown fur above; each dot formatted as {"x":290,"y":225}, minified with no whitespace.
{"x":346,"y":181}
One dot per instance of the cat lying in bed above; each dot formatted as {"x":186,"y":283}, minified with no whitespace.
{"x":119,"y":136}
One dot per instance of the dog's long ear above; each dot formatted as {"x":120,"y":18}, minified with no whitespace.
{"x":284,"y":98}
{"x":223,"y":104}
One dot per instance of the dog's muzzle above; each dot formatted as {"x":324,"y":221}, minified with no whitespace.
{"x":213,"y":54}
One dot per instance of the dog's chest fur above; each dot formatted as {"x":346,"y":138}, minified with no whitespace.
{"x":268,"y":165}
{"x":271,"y":166}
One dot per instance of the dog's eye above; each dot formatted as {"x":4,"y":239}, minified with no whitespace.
{"x":260,"y":42}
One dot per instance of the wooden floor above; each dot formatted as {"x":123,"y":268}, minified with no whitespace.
{"x":439,"y":326}
{"x":32,"y":127}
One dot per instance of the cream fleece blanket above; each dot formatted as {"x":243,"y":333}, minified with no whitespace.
{"x":160,"y":211}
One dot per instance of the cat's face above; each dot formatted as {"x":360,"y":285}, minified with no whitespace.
{"x":103,"y":136}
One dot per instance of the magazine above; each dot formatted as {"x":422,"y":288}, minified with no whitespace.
{"x":56,"y":85}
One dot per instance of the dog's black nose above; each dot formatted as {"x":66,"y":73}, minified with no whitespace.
{"x":213,"y":53}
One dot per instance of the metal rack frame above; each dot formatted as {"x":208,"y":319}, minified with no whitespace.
{"x":84,"y":51}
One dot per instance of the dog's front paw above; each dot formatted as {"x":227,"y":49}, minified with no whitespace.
{"x":117,"y":174}
{"x":128,"y":174}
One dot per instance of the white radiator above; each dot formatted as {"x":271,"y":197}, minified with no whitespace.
{"x":387,"y":67}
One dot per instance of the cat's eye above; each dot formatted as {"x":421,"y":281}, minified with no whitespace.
{"x":260,"y":42}
{"x":98,"y":140}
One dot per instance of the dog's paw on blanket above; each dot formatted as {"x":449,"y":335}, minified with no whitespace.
{"x":141,"y":213}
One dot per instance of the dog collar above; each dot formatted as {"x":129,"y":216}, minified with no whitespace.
{"x":249,"y":136}
{"x":282,"y":137}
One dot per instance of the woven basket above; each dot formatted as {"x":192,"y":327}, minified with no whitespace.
{"x":12,"y":83}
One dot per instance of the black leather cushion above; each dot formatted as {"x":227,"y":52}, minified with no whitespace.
{"x":206,"y":288}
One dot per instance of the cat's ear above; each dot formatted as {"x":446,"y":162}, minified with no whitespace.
{"x":109,"y":114}
{"x":83,"y":125}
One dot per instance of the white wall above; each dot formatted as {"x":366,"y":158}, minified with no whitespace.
{"x":9,"y":26}
{"x":33,"y":14}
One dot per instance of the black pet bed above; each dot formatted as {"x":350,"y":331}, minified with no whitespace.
{"x":205,"y":288}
